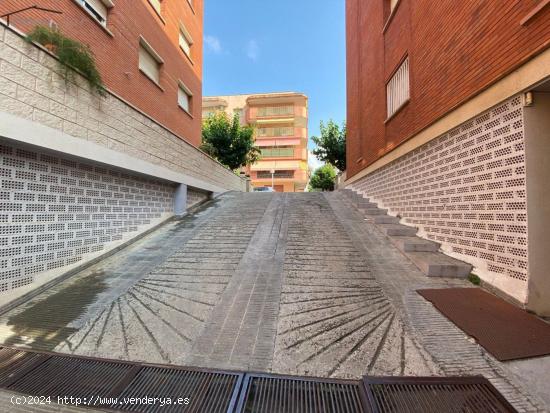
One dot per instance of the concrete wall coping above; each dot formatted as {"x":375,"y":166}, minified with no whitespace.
{"x":42,"y":136}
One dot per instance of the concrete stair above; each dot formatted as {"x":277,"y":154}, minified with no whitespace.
{"x":397,"y":230}
{"x":436,"y":264}
{"x":423,"y":253}
{"x":414,"y":244}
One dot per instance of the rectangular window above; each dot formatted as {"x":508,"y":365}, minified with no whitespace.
{"x":184,"y":97}
{"x":185,"y":40}
{"x":398,"y":89}
{"x":149,"y":61}
{"x":96,"y":9}
{"x":393,"y":3}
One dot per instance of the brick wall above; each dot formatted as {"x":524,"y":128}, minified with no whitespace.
{"x":32,"y":88}
{"x":467,"y":190}
{"x":116,"y":52}
{"x":455,"y":49}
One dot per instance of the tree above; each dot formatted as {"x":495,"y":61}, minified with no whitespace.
{"x":227,"y":141}
{"x":323,"y":179}
{"x":331,"y":145}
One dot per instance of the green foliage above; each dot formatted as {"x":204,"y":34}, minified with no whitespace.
{"x":71,"y":54}
{"x":227,"y":141}
{"x":474,"y":279}
{"x":323,"y":179}
{"x":331,"y":145}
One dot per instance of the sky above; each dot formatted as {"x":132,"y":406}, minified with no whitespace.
{"x":278,"y":46}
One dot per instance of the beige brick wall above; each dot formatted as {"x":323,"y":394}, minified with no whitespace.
{"x":31,"y":87}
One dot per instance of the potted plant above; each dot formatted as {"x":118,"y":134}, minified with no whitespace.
{"x":71,"y":54}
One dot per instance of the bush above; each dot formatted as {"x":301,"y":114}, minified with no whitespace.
{"x":71,"y":54}
{"x":323,"y":179}
{"x":227,"y":141}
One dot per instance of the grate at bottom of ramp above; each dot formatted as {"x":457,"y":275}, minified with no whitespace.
{"x":434,"y":395}
{"x":118,"y":385}
{"x":206,"y":391}
{"x":287,"y":394}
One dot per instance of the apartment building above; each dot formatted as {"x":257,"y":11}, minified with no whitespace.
{"x":82,"y":174}
{"x":280,"y":122}
{"x":448,"y":119}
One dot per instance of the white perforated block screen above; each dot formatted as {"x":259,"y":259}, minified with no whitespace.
{"x":465,"y":189}
{"x":55,"y":212}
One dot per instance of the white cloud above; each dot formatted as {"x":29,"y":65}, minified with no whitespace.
{"x":213,"y":44}
{"x":313,"y":162}
{"x":252,"y":50}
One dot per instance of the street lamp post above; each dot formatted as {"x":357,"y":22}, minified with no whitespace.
{"x":273,"y":179}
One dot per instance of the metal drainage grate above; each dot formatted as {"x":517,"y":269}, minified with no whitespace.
{"x":207,"y":391}
{"x":286,"y":394}
{"x":434,"y":395}
{"x":117,"y":384}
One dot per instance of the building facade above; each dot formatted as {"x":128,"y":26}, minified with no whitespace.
{"x":82,"y":174}
{"x":448,"y":108}
{"x":149,"y":52}
{"x":280,"y":121}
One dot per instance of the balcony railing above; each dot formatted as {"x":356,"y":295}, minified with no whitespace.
{"x":278,"y":152}
{"x":275,"y":111}
{"x":274,"y":132}
{"x":278,"y":174}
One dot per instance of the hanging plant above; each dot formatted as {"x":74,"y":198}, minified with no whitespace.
{"x":71,"y":54}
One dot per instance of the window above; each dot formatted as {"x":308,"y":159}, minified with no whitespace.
{"x":238,"y":112}
{"x":149,"y":61}
{"x":393,"y":3}
{"x":156,"y":5}
{"x":184,"y":97}
{"x":185,"y":40}
{"x":96,"y":8}
{"x":397,"y":89}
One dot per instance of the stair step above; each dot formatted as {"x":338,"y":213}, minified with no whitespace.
{"x":412,"y":244}
{"x":437,"y":264}
{"x":373,"y":211}
{"x":364,"y":204}
{"x":398,"y":230}
{"x":385,"y":219}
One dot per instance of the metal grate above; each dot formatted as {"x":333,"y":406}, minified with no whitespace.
{"x":138,"y":387}
{"x":206,"y":391}
{"x":286,"y":394}
{"x":434,"y":395}
{"x":118,"y":385}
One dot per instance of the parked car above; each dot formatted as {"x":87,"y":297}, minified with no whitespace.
{"x":264,"y":189}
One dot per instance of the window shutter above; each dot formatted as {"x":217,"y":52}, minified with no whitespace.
{"x":148,"y":64}
{"x":398,"y":88}
{"x":184,"y":99}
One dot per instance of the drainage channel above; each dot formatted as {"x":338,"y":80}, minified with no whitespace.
{"x":139,"y":387}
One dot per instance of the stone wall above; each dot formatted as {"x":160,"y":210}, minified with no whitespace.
{"x":32,"y":87}
{"x":467,"y":190}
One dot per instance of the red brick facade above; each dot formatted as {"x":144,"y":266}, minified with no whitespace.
{"x":116,"y":51}
{"x":455,"y":49}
